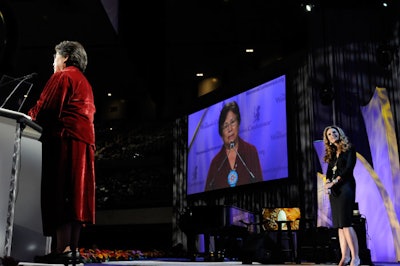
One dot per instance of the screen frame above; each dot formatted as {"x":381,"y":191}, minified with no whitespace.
{"x":220,"y":99}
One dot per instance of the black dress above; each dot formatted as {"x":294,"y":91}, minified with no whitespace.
{"x":343,"y":195}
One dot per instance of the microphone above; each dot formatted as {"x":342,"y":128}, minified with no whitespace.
{"x":211,"y":184}
{"x":21,"y":80}
{"x":12,"y":79}
{"x":29,"y":76}
{"x":232,"y":146}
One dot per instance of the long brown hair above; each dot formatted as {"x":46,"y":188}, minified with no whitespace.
{"x":330,"y":149}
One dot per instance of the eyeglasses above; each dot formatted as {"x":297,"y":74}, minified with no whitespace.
{"x":233,"y":124}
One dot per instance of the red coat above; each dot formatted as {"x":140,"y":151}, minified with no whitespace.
{"x":65,"y":110}
{"x":219,"y":170}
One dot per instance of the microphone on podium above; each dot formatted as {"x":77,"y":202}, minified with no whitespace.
{"x":29,"y":76}
{"x":21,"y":80}
{"x":232,"y":146}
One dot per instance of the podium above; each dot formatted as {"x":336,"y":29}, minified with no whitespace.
{"x":21,"y":235}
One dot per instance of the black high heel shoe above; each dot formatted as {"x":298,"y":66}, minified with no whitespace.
{"x":65,"y":258}
{"x":71,"y":257}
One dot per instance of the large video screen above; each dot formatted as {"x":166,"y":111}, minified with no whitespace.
{"x":240,"y":140}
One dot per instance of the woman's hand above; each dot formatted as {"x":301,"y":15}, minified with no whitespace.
{"x":327,"y":187}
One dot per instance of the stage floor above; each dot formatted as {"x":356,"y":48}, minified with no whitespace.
{"x":225,"y":263}
{"x":169,"y":262}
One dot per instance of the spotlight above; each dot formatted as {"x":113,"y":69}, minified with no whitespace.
{"x":308,"y":7}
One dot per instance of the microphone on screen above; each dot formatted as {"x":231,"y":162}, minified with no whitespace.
{"x":232,"y":146}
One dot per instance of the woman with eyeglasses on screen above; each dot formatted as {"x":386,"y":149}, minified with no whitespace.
{"x":237,"y":162}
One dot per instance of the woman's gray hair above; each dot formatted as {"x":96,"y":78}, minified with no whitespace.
{"x":75,"y":52}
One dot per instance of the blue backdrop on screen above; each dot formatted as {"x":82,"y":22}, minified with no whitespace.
{"x":263,"y":124}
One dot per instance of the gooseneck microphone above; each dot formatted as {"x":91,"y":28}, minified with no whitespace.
{"x":211,"y":183}
{"x":232,"y":146}
{"x":21,"y":80}
{"x":29,"y":76}
{"x":226,"y":155}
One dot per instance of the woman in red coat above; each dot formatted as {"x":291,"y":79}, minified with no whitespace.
{"x":65,"y":110}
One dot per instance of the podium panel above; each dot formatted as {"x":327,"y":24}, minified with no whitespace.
{"x":7,"y":138}
{"x":21,"y":233}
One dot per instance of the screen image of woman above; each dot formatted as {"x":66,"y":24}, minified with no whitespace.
{"x":249,"y":137}
{"x":237,"y":162}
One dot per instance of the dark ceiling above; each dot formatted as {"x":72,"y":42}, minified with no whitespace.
{"x":147,"y":52}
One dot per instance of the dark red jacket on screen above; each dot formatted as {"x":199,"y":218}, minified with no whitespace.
{"x":219,"y":168}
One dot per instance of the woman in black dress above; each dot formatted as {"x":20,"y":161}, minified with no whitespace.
{"x":340,"y":155}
